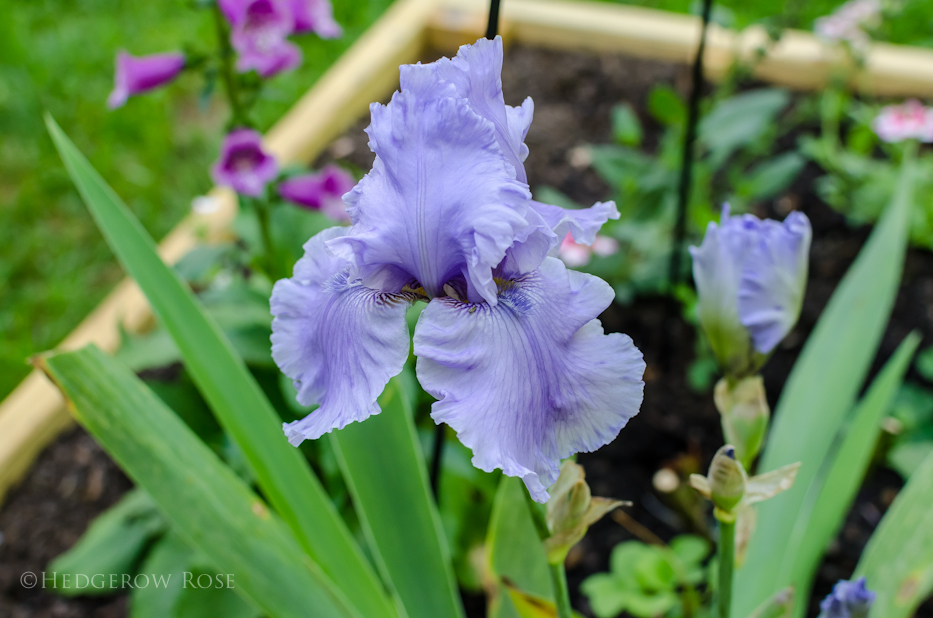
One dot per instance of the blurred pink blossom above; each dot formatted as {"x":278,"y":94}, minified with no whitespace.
{"x":315,"y":16}
{"x":322,"y":191}
{"x":575,"y":255}
{"x":848,"y":22}
{"x":138,"y":74}
{"x":910,"y":120}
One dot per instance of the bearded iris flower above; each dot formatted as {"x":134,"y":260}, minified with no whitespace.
{"x":509,"y":343}
{"x":750,"y":277}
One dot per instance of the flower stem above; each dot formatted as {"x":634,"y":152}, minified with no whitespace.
{"x":558,"y":575}
{"x":230,"y":78}
{"x":726,"y":560}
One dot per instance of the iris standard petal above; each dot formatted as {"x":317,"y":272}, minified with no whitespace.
{"x":533,"y":379}
{"x":476,"y":73}
{"x":718,"y":264}
{"x":440,"y":200}
{"x":773,"y":281}
{"x":338,"y":340}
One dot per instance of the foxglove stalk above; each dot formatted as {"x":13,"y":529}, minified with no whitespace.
{"x":243,"y":164}
{"x":750,"y":276}
{"x":139,"y":74}
{"x":849,"y":599}
{"x":509,"y":343}
{"x":322,"y":191}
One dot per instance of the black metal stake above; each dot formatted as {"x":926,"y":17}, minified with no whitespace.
{"x":686,"y":166}
{"x":492,"y":27}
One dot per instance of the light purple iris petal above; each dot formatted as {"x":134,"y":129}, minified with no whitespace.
{"x":773,"y":281}
{"x":322,"y":191}
{"x":260,"y":31}
{"x":243,"y":164}
{"x":718,"y":264}
{"x":533,"y":379}
{"x":339,"y":341}
{"x":475,"y":71}
{"x":315,"y":16}
{"x":138,"y":74}
{"x":440,"y":200}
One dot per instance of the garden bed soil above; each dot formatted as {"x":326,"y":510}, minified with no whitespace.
{"x":73,"y":480}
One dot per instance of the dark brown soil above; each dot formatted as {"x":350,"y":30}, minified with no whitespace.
{"x":70,"y":484}
{"x":573,"y":96}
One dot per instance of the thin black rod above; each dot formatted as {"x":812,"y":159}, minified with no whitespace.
{"x":492,"y":27}
{"x":686,"y":166}
{"x":436,"y":459}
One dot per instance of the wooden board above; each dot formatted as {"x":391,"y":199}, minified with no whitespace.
{"x":33,"y":414}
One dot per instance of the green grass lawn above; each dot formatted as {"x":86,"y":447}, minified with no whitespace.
{"x":58,"y":56}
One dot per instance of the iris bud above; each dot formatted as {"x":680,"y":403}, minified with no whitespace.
{"x":744,"y":415}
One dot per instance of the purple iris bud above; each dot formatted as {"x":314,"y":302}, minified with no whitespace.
{"x":322,"y":191}
{"x":243,"y":165}
{"x":315,"y":16}
{"x":750,"y":277}
{"x":509,"y":344}
{"x":138,"y":74}
{"x":260,"y":35}
{"x":848,"y":600}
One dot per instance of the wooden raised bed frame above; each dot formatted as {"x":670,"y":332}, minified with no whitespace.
{"x":34,"y":414}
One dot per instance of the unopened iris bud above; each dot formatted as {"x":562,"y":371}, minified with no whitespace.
{"x":729,"y":488}
{"x":848,"y":600}
{"x":744,"y":413}
{"x":139,"y":74}
{"x":571,"y":510}
{"x":750,"y":276}
{"x":727,"y":479}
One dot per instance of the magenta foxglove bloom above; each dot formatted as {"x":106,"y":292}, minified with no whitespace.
{"x":260,"y":35}
{"x":509,"y":343}
{"x":138,"y":74}
{"x":848,"y":600}
{"x":315,"y":16}
{"x":322,"y":191}
{"x":243,"y":165}
{"x":750,"y":277}
{"x":910,"y":120}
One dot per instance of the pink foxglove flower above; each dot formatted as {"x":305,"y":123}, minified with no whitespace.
{"x":575,"y":254}
{"x":322,"y":191}
{"x":138,"y":74}
{"x":260,"y":35}
{"x":315,"y":16}
{"x":243,"y":165}
{"x":910,"y":120}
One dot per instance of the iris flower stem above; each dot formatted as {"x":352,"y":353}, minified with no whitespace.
{"x":558,"y":574}
{"x":726,"y":561}
{"x":231,"y":84}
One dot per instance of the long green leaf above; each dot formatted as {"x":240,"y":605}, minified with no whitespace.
{"x":207,"y":503}
{"x":832,"y":493}
{"x":383,"y":464}
{"x":822,"y":388}
{"x":514,"y":550}
{"x":231,"y":391}
{"x":898,"y":561}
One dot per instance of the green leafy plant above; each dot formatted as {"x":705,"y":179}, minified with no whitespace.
{"x":650,"y":580}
